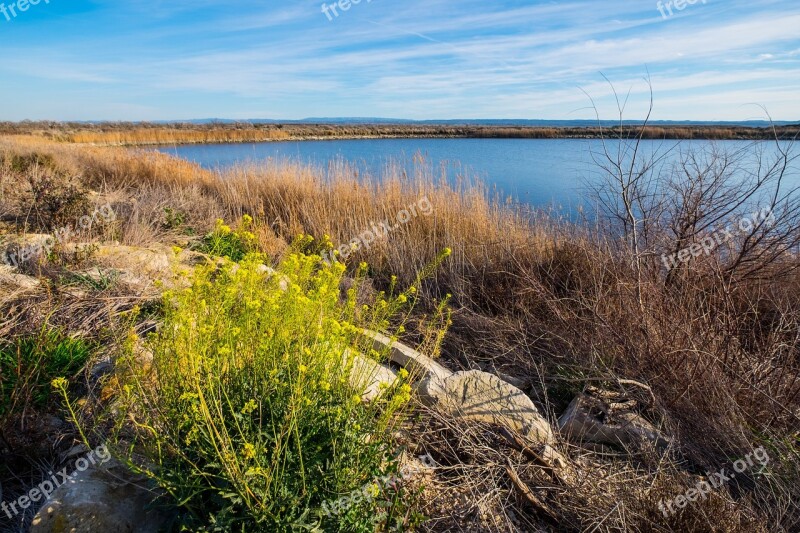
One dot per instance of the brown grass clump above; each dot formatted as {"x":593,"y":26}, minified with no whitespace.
{"x":556,"y":305}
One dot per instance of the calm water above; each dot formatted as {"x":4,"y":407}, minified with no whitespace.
{"x":542,"y":173}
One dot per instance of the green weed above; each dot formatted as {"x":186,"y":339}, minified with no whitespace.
{"x":28,"y":364}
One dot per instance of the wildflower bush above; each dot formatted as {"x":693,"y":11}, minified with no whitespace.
{"x":251,"y":415}
{"x":224,"y":241}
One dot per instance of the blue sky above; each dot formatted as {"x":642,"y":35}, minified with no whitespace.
{"x":418,"y":59}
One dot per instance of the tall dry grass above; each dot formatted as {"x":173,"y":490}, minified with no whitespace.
{"x":558,"y":305}
{"x":144,"y":136}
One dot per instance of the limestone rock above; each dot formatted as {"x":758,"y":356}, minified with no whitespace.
{"x":418,"y":364}
{"x":16,"y":250}
{"x":140,"y":267}
{"x":153,"y":262}
{"x":100,"y":499}
{"x":10,"y":280}
{"x":368,"y":375}
{"x":483,"y":397}
{"x":13,"y":284}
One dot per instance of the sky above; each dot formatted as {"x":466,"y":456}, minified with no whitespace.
{"x":411,"y":59}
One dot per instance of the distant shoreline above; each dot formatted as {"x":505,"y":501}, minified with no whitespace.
{"x":146,"y":134}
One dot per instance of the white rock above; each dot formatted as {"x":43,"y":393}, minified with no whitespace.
{"x":100,"y":499}
{"x":483,"y":397}
{"x":420,"y":365}
{"x":368,"y":375}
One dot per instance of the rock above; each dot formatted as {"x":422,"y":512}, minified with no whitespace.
{"x":473,"y":395}
{"x":421,"y":366}
{"x":75,"y":451}
{"x":470,"y":395}
{"x":482,"y":397}
{"x":153,"y":262}
{"x":520,"y":383}
{"x":16,"y":250}
{"x":13,"y":285}
{"x":100,"y":499}
{"x":140,"y":267}
{"x":368,"y":375}
{"x":602,"y":417}
{"x":11,"y":279}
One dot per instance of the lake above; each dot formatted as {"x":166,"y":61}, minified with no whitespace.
{"x":538,"y":172}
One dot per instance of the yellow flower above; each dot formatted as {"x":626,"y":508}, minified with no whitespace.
{"x":403,"y":373}
{"x":325,"y":386}
{"x":249,"y":451}
{"x":374,"y":490}
{"x":303,"y":369}
{"x":356,"y":398}
{"x":60,"y":383}
{"x":402,"y":299}
{"x":249,"y":407}
{"x":448,"y":252}
{"x":176,"y":250}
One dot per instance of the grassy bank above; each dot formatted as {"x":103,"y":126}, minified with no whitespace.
{"x":712,"y":342}
{"x":139,"y":134}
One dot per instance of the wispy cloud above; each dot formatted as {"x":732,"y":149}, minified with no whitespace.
{"x":417,"y":59}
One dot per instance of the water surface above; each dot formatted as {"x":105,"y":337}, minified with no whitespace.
{"x":538,"y":172}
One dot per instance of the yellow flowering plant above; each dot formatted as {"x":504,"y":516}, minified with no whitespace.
{"x":224,"y":241}
{"x":252,"y":414}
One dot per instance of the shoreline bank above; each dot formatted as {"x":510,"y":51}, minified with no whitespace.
{"x":142,"y":134}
